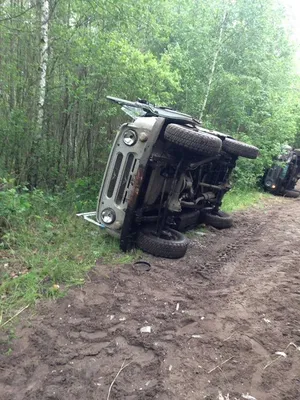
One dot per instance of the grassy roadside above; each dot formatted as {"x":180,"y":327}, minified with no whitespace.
{"x":238,"y":199}
{"x":45,"y":248}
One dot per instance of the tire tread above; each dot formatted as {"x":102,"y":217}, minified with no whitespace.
{"x":240,"y":149}
{"x":200,"y":142}
{"x":161,"y":247}
{"x":221,"y":220}
{"x":291,"y":193}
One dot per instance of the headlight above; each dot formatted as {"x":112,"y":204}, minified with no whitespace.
{"x":130,"y":137}
{"x":268,"y":183}
{"x":108,"y":216}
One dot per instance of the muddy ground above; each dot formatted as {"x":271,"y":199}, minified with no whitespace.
{"x":217,"y":319}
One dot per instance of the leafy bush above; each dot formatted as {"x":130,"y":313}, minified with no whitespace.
{"x":14,"y":204}
{"x":44,"y":245}
{"x":81,"y":195}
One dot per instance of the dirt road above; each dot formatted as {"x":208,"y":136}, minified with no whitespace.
{"x":217,"y":319}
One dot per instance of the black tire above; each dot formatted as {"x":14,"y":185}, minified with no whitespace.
{"x":201,"y":143}
{"x":241,"y":149}
{"x":291,"y":193}
{"x":220,"y":220}
{"x":174,"y":247}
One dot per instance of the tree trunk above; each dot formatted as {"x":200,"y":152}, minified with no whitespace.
{"x":43,"y":61}
{"x":213,"y":66}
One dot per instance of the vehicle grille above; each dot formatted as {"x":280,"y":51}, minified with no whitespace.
{"x":114,"y":175}
{"x":126,"y":179}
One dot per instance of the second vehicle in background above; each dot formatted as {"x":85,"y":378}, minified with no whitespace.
{"x":282,"y":177}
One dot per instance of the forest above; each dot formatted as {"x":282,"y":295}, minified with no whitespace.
{"x":229,"y":63}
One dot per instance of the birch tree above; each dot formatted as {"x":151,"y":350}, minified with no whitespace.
{"x":214,"y":62}
{"x":43,"y":61}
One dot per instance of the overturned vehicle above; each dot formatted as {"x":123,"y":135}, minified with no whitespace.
{"x":165,"y":175}
{"x":284,"y":174}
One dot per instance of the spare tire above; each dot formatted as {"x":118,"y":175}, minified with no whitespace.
{"x":171,"y":244}
{"x":219,"y":220}
{"x":199,"y":142}
{"x":238,"y":148}
{"x":291,"y":193}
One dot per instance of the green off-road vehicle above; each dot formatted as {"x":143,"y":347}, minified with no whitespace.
{"x":165,"y":174}
{"x":283,"y":176}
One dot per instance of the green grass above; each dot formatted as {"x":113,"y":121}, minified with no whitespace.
{"x":241,"y":199}
{"x":45,"y":246}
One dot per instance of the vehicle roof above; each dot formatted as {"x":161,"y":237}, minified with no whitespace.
{"x":165,"y":112}
{"x":152,"y":110}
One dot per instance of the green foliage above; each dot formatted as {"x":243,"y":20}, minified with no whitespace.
{"x":162,"y":51}
{"x":44,"y":244}
{"x":81,"y":195}
{"x":239,"y":199}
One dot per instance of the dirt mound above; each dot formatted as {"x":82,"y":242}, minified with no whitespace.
{"x":217,"y":318}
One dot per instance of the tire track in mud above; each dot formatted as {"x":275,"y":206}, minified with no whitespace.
{"x":234,"y":298}
{"x":271,"y":282}
{"x":230,"y":250}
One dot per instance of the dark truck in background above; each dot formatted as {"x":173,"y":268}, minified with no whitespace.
{"x":165,"y":175}
{"x":283,"y":176}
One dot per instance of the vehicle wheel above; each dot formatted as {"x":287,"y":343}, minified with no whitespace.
{"x":297,"y":152}
{"x":201,"y":143}
{"x":291,"y":193}
{"x":220,"y":220}
{"x":239,"y":148}
{"x":171,"y":244}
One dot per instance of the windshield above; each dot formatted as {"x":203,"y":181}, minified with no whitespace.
{"x":134,"y":112}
